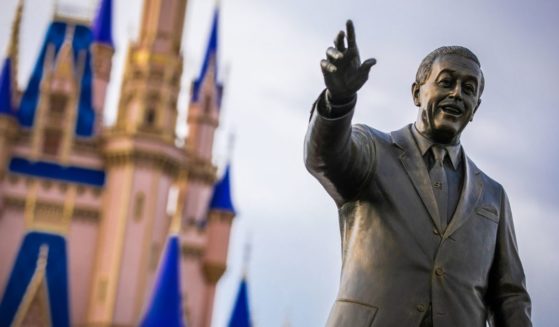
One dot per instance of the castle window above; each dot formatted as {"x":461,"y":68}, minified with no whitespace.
{"x":137,"y":74}
{"x":156,"y":76}
{"x":150,"y":117}
{"x":58,"y":103}
{"x":51,"y":141}
{"x":139,"y":206}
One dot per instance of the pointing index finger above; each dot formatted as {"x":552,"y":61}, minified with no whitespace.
{"x":350,"y":34}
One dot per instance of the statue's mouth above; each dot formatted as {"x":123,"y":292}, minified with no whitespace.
{"x":452,"y":110}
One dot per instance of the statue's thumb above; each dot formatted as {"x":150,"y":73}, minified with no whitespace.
{"x":366,"y":65}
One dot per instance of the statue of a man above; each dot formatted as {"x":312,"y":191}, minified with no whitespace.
{"x":427,"y":237}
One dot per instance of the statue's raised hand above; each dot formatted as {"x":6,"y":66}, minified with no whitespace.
{"x":344,"y":74}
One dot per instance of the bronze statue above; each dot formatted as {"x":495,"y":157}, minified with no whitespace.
{"x":427,"y":238}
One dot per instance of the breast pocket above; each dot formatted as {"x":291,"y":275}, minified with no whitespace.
{"x":489,"y":213}
{"x":351,"y":314}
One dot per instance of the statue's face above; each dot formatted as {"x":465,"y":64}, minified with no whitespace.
{"x":448,"y":99}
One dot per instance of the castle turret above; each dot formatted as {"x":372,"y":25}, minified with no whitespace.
{"x":148,"y":103}
{"x":102,"y":50}
{"x":202,"y":260}
{"x":142,"y":164}
{"x":220,"y":216}
{"x":203,"y":112}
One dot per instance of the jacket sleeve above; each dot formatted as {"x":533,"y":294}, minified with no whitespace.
{"x":508,"y":298}
{"x":340,"y":156}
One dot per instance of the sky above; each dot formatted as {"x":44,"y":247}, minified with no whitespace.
{"x":269,"y":61}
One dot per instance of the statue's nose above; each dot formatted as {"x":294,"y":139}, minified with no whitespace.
{"x":456,"y":92}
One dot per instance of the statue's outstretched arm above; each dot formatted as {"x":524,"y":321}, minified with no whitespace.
{"x":339,"y":156}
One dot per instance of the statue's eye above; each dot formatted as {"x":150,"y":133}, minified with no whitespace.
{"x":445,"y":82}
{"x":469,"y":88}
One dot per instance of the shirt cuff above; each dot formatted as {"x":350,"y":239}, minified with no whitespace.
{"x":329,"y":109}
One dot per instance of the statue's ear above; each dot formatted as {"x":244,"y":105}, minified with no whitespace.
{"x":415,"y":93}
{"x":475,"y":109}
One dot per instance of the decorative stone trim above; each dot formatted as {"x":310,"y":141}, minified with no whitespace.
{"x":221,"y":216}
{"x":164,"y":163}
{"x":213,"y":271}
{"x":89,"y":214}
{"x":17,"y":203}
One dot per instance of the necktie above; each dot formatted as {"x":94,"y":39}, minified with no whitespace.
{"x":439,"y":182}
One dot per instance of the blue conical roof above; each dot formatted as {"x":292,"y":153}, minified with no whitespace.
{"x":103,"y":23}
{"x":165,"y":305}
{"x":6,"y":103}
{"x":23,"y":271}
{"x":209,"y":58}
{"x":221,"y":198}
{"x":240,"y":317}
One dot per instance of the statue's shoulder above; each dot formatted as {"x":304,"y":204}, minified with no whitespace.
{"x":373,"y":133}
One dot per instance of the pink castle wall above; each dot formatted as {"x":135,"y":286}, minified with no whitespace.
{"x":82,"y":243}
{"x":11,"y":232}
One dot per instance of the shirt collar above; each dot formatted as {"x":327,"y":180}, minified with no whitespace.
{"x":425,"y":144}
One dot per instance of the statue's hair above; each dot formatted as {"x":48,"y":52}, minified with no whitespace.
{"x":426,"y":64}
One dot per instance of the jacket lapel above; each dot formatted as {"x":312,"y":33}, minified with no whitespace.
{"x":415,"y":167}
{"x":471,"y":192}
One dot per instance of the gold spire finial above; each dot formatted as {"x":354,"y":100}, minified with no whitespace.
{"x":246,"y":256}
{"x":13,"y":46}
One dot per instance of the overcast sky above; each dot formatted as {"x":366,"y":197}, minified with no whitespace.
{"x":273,"y":49}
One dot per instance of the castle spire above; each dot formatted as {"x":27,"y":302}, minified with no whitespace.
{"x":103,"y":23}
{"x":165,"y":308}
{"x":240,"y":317}
{"x":209,"y":65}
{"x":13,"y":45}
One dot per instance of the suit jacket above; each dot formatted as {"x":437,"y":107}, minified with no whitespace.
{"x":397,"y":263}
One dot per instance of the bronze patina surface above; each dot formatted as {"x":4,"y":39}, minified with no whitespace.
{"x":427,"y":237}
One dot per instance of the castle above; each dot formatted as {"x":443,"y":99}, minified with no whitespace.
{"x":86,"y":210}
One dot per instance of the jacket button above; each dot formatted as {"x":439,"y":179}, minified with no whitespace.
{"x":420,"y":307}
{"x":435,"y":231}
{"x":439,"y":271}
